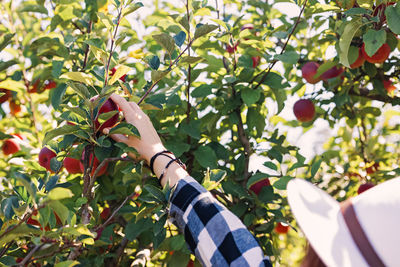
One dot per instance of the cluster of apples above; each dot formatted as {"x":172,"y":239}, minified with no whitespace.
{"x":73,"y":165}
{"x":231,"y":49}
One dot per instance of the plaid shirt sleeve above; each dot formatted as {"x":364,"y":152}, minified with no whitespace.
{"x":214,"y":234}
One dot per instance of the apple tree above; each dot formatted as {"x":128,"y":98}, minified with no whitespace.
{"x":224,"y":82}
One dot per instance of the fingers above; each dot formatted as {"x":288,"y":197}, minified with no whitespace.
{"x":127,"y":109}
{"x":117,"y":137}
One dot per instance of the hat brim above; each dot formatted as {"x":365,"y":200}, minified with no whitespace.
{"x":321,"y":220}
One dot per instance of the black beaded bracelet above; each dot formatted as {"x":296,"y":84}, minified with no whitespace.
{"x":168,"y":164}
{"x":153,"y":158}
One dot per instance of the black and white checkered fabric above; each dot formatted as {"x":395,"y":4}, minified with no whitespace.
{"x":214,"y":234}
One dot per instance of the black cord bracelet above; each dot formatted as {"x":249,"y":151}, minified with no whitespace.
{"x":153,"y":158}
{"x":168,"y":164}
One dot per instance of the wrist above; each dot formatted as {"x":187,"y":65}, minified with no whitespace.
{"x":153,"y":150}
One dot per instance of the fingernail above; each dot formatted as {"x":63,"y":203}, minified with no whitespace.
{"x":106,"y":130}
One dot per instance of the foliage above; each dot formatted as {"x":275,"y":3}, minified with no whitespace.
{"x":192,"y":68}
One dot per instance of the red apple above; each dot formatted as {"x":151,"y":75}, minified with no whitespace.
{"x":34,"y":222}
{"x":50,"y":85}
{"x":380,"y":56}
{"x":359,"y":61}
{"x":10,"y":146}
{"x":14,"y":108}
{"x":72,"y":165}
{"x":108,"y":106}
{"x":332,"y":73}
{"x":364,"y":187}
{"x":304,"y":110}
{"x":95,"y":163}
{"x":190,"y":263}
{"x":256,"y":61}
{"x":105,"y":214}
{"x":45,"y":157}
{"x":231,"y":49}
{"x":373,"y":168}
{"x":388,"y":85}
{"x":308,"y":72}
{"x":5,"y":97}
{"x":256,"y":187}
{"x":122,"y":78}
{"x":281,"y":228}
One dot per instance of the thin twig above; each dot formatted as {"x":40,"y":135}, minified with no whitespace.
{"x":30,"y":254}
{"x":89,"y":30}
{"x":268,"y":70}
{"x":169,"y":69}
{"x":24,"y":219}
{"x":5,"y":248}
{"x":115,"y":212}
{"x":120,"y":251}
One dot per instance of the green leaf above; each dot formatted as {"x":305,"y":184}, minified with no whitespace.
{"x":166,"y":41}
{"x":134,"y":229}
{"x":34,"y":8}
{"x":393,"y":18}
{"x":280,"y":96}
{"x":202,"y":91}
{"x":56,"y":69}
{"x":324,"y":67}
{"x":290,"y":57}
{"x":57,"y":95}
{"x":60,"y":193}
{"x":80,"y":89}
{"x":67,"y":264}
{"x":345,"y":40}
{"x":61,"y":210}
{"x":132,"y":8}
{"x":315,"y":167}
{"x":125,"y":128}
{"x":270,"y":165}
{"x":66,"y":129}
{"x":78,"y":77}
{"x":373,"y":40}
{"x":157,"y":75}
{"x":121,"y":71}
{"x":156,"y":192}
{"x":6,"y":64}
{"x":190,"y":60}
{"x":99,"y":54}
{"x":203,"y":30}
{"x":206,"y":157}
{"x":103,"y":117}
{"x":250,"y":96}
{"x":5,"y":40}
{"x":105,"y":20}
{"x":282,"y":182}
{"x":12,"y":85}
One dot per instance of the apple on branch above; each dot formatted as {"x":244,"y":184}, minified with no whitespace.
{"x":309,"y":70}
{"x":45,"y":156}
{"x":107,"y":106}
{"x":257,"y":186}
{"x":304,"y":110}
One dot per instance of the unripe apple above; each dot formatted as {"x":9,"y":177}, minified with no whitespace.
{"x":388,"y":85}
{"x":282,"y":228}
{"x":95,"y":163}
{"x":10,"y":146}
{"x":380,"y":56}
{"x":122,"y":78}
{"x":308,"y":72}
{"x":14,"y":108}
{"x":256,"y":187}
{"x":45,"y":156}
{"x":359,"y":61}
{"x":5,"y":97}
{"x":72,"y":165}
{"x":108,"y":106}
{"x":332,"y":73}
{"x":364,"y":187}
{"x":304,"y":110}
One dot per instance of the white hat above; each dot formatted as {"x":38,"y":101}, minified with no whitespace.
{"x":321,"y":219}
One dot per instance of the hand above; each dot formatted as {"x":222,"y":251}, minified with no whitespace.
{"x":149,"y":142}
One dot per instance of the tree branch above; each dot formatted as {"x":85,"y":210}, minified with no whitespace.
{"x":29,"y":255}
{"x":268,"y":70}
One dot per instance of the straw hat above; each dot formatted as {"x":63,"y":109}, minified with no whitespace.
{"x":349,"y":233}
